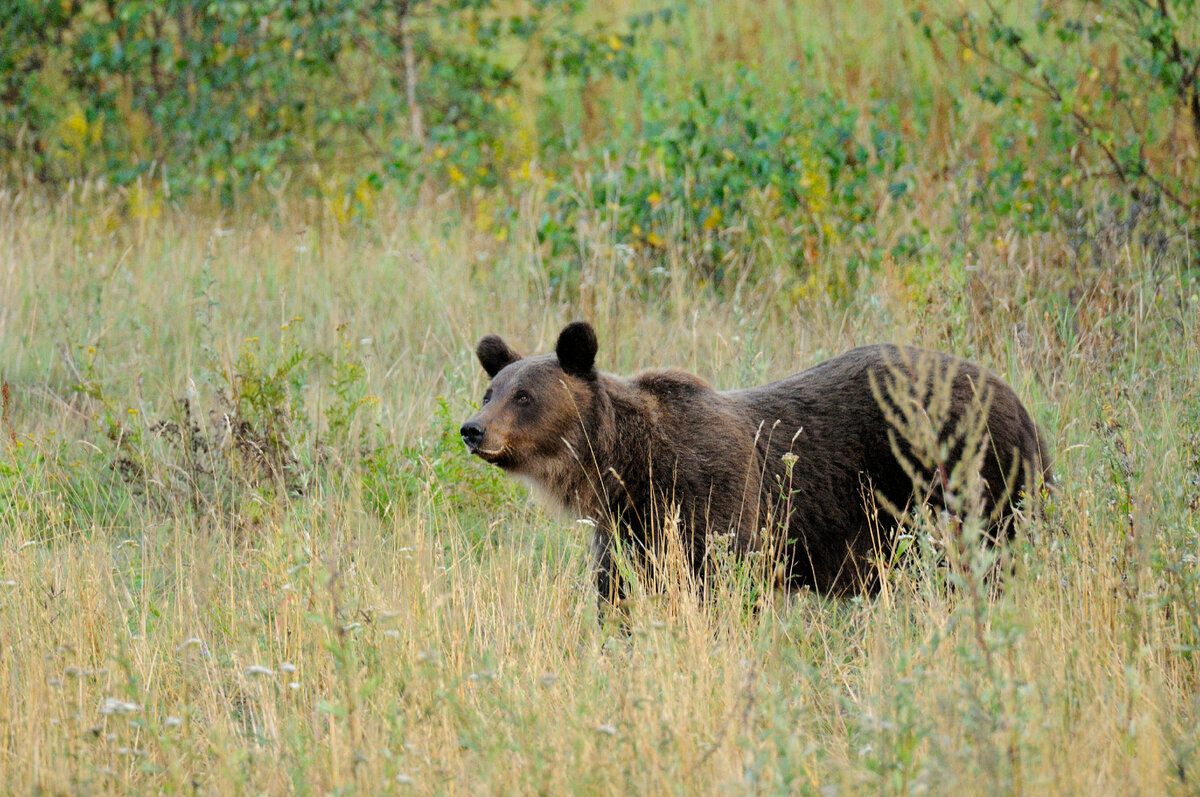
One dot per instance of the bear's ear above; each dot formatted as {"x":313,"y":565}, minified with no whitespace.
{"x":494,"y":354}
{"x":576,"y":349}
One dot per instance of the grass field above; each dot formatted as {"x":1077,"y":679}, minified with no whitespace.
{"x":243,"y":551}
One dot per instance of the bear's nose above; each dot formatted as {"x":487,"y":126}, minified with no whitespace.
{"x":472,"y":434}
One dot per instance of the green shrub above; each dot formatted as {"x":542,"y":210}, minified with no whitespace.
{"x":1103,"y":89}
{"x":741,"y":182}
{"x":330,"y":94}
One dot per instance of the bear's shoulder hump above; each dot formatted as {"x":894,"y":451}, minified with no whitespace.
{"x":670,"y":381}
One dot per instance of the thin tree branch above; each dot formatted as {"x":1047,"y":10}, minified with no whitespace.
{"x":416,"y":126}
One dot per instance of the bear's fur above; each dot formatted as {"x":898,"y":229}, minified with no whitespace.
{"x":821,"y":446}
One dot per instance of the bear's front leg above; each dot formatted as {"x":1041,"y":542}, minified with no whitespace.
{"x":610,"y":587}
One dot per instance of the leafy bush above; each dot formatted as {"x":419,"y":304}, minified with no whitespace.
{"x":248,"y":446}
{"x":1108,"y":89}
{"x":741,"y":181}
{"x":252,"y":447}
{"x":218,"y":95}
{"x":432,"y":471}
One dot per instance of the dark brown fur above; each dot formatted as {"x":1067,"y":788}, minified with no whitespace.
{"x":626,"y":453}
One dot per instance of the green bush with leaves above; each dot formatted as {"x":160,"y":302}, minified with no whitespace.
{"x":740,"y":181}
{"x":1111,"y":89}
{"x":216,"y":96}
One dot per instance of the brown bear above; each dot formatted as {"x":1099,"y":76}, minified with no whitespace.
{"x":813,"y":470}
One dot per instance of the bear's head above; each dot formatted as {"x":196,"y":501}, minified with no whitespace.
{"x":536,"y":410}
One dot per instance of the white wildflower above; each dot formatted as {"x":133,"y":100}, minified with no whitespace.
{"x":187,"y":643}
{"x":115,"y":705}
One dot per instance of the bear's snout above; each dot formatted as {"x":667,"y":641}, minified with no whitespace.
{"x":472,"y":434}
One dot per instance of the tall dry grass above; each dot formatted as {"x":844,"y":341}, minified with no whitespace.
{"x":308,"y":643}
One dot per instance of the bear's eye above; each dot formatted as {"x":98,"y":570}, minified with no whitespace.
{"x":522,"y":398}
{"x":487,"y":396}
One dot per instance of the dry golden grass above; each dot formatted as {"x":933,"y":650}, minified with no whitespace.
{"x":307,"y":644}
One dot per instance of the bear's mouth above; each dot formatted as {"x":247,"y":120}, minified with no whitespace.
{"x":493,"y":456}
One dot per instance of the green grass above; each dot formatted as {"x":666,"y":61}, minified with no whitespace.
{"x":371,"y":610}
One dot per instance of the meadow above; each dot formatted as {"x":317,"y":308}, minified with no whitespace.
{"x":242,"y":549}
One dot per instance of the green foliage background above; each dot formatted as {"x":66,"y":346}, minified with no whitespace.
{"x":612,"y":115}
{"x":218,"y":95}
